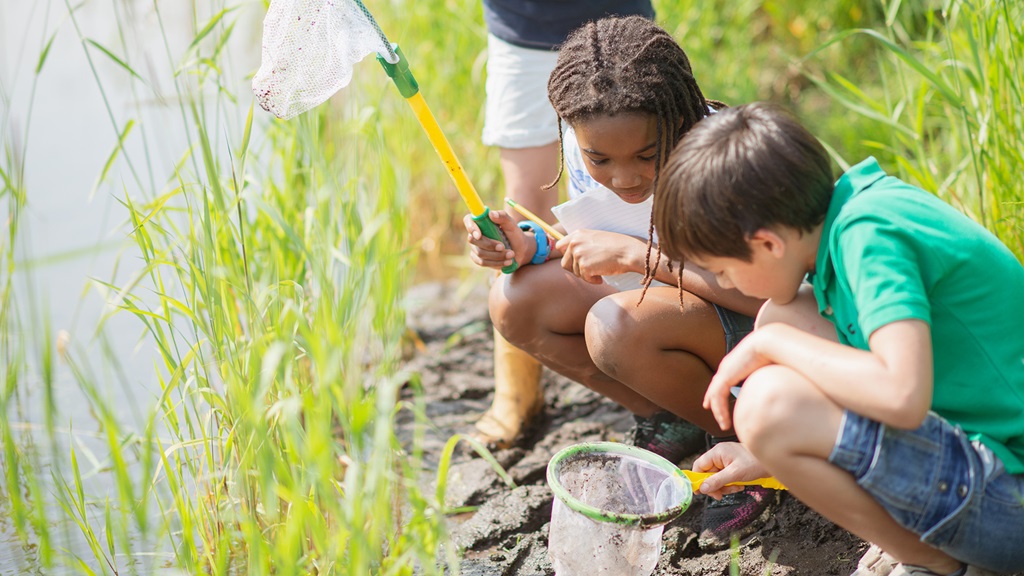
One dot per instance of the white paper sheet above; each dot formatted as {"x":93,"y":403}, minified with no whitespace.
{"x":600,"y":209}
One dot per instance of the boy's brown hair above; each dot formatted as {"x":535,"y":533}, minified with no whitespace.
{"x":736,"y":172}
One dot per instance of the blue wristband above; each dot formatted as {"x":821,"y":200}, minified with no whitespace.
{"x":543,"y":249}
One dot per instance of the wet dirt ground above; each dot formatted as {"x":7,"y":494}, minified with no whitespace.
{"x":505,"y":530}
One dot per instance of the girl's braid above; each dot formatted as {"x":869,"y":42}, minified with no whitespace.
{"x":628,"y":65}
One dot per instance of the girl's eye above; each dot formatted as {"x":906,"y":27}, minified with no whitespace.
{"x":597,"y":161}
{"x":647,"y":158}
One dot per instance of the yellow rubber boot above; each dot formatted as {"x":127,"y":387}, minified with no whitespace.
{"x":517,"y":395}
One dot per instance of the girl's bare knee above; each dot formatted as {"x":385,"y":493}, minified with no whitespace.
{"x":513,"y":308}
{"x":606,"y":331}
{"x":498,"y":304}
{"x":608,"y":316}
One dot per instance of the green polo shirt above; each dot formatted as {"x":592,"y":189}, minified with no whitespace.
{"x":890,"y":251}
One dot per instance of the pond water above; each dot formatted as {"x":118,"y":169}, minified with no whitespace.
{"x":71,"y":229}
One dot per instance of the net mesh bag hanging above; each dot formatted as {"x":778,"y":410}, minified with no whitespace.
{"x":309,"y":50}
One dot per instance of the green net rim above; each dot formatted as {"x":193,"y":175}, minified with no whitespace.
{"x":391,"y":57}
{"x":594,"y":513}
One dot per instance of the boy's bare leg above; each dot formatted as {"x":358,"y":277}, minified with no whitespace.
{"x":791,"y":427}
{"x":518,"y":396}
{"x":666,"y":354}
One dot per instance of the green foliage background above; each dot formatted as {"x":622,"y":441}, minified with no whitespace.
{"x":923,"y":86}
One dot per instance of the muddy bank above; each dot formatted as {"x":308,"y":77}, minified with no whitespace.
{"x":506,"y":530}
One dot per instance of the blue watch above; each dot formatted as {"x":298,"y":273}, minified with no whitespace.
{"x":541,"y":255}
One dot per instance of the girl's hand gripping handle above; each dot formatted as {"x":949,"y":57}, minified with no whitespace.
{"x":494,"y":232}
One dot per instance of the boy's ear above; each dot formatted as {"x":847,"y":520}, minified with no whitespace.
{"x":768,"y":240}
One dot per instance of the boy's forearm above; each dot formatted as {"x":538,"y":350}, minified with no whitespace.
{"x":893,"y":386}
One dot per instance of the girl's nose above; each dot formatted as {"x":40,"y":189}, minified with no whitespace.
{"x":626,"y":179}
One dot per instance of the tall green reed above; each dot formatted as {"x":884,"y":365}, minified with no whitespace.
{"x":948,"y":113}
{"x":20,"y":483}
{"x":278,"y":322}
{"x":269,"y":276}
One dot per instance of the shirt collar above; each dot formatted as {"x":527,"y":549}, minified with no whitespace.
{"x":857,"y":178}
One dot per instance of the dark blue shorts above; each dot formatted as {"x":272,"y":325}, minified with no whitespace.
{"x":735,"y":325}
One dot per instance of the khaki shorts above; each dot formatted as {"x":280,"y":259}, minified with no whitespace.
{"x":518,"y":113}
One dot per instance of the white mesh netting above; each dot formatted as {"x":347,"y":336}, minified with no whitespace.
{"x":309,"y":50}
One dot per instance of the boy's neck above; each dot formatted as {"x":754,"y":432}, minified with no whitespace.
{"x":808,"y":246}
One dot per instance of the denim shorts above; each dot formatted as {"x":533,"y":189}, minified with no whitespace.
{"x":937,"y":483}
{"x":735,"y":325}
{"x":518,"y":113}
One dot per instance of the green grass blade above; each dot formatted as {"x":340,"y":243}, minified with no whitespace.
{"x":114,"y":58}
{"x":113,"y":157}
{"x":45,"y":53}
{"x":210,"y":25}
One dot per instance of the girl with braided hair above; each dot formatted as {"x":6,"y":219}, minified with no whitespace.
{"x":625,"y":93}
{"x":522,"y":49}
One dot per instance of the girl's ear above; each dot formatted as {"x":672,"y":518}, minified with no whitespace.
{"x":768,"y":240}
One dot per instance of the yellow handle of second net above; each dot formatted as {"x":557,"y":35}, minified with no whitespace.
{"x":444,"y":150}
{"x":698,"y":478}
{"x":526,"y":212}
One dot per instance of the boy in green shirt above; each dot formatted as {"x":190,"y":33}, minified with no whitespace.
{"x":884,"y":383}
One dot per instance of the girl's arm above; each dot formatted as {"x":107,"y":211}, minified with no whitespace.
{"x":591,"y":254}
{"x":702,"y":283}
{"x":891,"y":383}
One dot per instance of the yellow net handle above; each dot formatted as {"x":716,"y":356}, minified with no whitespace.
{"x":444,"y":150}
{"x":698,"y":478}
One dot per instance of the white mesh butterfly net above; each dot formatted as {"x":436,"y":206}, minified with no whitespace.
{"x":309,"y":50}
